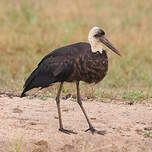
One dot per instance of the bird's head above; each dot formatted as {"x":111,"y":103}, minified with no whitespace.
{"x":97,"y":38}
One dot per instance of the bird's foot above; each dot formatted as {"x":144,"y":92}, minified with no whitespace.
{"x":67,"y":131}
{"x":93,"y":130}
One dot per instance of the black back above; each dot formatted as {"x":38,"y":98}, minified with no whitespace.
{"x":74,"y":62}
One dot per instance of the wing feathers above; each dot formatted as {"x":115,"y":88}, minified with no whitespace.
{"x":57,"y":66}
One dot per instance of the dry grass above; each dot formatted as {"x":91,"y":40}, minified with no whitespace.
{"x":16,"y":146}
{"x":31,"y":28}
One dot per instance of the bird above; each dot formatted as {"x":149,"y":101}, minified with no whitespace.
{"x":82,"y":61}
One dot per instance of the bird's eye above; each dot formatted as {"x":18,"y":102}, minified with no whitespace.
{"x":98,"y":35}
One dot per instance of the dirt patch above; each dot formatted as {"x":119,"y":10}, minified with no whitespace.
{"x":33,"y":125}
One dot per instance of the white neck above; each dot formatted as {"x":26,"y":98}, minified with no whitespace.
{"x":96,"y":46}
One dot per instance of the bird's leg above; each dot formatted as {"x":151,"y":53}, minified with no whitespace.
{"x":91,"y":128}
{"x":59,"y":112}
{"x":81,"y":106}
{"x":58,"y":105}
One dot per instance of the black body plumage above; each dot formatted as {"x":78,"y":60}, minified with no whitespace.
{"x":75,"y":62}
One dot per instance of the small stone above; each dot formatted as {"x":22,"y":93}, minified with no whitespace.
{"x":93,"y":118}
{"x":56,"y":117}
{"x":38,"y":150}
{"x":42,"y":143}
{"x":32,"y":123}
{"x":17,"y":110}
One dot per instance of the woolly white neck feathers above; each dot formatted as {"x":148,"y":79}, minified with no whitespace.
{"x":96,"y":45}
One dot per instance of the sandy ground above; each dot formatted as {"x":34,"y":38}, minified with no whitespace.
{"x":36,"y":123}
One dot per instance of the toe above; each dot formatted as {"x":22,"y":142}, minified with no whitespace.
{"x":93,"y":130}
{"x":64,"y":131}
{"x":67,"y":131}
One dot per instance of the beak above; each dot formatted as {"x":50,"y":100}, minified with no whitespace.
{"x":105,"y":41}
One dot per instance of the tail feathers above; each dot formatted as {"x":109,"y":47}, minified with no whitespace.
{"x":37,"y":79}
{"x":28,"y":82}
{"x":30,"y":78}
{"x":23,"y":94}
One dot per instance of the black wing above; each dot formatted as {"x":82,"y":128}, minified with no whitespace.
{"x":57,"y":66}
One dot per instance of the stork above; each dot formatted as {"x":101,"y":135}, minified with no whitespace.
{"x":76,"y":62}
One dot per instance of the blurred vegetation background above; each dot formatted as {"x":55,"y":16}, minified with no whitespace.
{"x":29,"y":29}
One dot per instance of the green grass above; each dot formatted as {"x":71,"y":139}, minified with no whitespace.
{"x":148,"y":133}
{"x":134,"y":95}
{"x":31,"y":28}
{"x":16,"y":147}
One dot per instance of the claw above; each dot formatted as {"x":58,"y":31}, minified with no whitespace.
{"x":67,"y":131}
{"x":93,"y":130}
